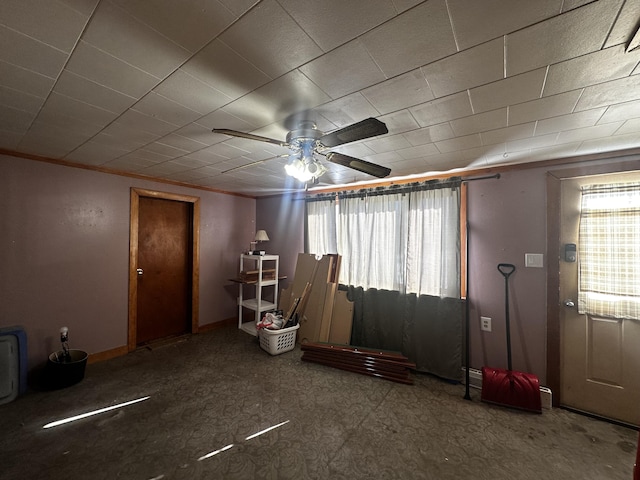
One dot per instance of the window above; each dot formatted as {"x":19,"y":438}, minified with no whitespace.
{"x":609,"y":251}
{"x":402,"y":239}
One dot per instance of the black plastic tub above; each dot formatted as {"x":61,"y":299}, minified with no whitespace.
{"x":64,"y":371}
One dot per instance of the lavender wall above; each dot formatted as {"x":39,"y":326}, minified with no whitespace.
{"x":507,"y":218}
{"x":283,"y":219}
{"x":64,"y":252}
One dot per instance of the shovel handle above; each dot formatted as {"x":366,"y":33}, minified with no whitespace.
{"x":506,"y":269}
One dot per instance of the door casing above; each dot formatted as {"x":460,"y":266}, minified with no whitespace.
{"x":136,"y":193}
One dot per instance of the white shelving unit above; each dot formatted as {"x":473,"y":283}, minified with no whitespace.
{"x":257,"y":303}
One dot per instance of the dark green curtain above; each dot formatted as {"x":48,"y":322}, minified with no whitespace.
{"x":426,"y":329}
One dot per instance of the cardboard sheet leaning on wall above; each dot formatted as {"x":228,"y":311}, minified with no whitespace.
{"x":325,"y":314}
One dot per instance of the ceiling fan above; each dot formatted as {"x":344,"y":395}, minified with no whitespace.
{"x":305,"y":141}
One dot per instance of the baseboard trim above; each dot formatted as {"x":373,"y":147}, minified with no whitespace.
{"x":475,"y":381}
{"x":210,"y":327}
{"x":123,"y":350}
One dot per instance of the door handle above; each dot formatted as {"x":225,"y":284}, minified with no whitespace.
{"x":139,"y":271}
{"x":569,"y":303}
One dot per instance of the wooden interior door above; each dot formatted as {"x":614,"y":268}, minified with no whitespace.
{"x":164,"y":269}
{"x":600,"y":357}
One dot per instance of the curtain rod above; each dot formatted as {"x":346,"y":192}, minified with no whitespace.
{"x":473,"y":179}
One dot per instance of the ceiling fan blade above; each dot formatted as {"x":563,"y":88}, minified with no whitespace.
{"x":367,"y":128}
{"x":357,"y":164}
{"x":235,"y":133}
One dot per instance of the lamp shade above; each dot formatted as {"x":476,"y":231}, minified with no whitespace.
{"x":261,"y":236}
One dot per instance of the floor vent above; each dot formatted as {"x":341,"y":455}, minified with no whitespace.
{"x":475,"y":381}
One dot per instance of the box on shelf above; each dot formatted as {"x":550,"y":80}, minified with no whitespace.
{"x":278,"y":341}
{"x":252,"y":275}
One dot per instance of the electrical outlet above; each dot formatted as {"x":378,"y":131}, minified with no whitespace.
{"x":485,"y":324}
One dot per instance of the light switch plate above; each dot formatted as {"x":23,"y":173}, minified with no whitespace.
{"x":535,"y":260}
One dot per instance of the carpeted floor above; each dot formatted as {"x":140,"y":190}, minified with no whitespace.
{"x":210,"y":393}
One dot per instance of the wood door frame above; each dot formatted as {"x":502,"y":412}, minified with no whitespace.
{"x":136,"y":193}
{"x":554,"y":204}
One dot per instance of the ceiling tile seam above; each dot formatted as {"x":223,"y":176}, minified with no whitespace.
{"x":613,"y":24}
{"x":453,"y":28}
{"x":504,"y":57}
{"x":301,"y":28}
{"x":573,"y":109}
{"x":544,"y":81}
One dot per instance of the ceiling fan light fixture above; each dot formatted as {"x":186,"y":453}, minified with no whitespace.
{"x":305,"y":169}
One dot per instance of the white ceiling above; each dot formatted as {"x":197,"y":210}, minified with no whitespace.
{"x":137,"y":85}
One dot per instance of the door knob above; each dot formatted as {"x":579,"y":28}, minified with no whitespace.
{"x":569,"y":303}
{"x":140,"y":271}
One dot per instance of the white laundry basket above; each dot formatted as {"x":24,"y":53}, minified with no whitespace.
{"x":278,"y":341}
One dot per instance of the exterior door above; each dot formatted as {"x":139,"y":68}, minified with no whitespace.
{"x":600,"y":357}
{"x":163,"y":271}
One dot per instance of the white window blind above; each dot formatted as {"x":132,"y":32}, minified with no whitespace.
{"x":609,"y":251}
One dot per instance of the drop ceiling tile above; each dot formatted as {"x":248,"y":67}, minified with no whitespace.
{"x":210,"y":158}
{"x":346,"y":110}
{"x":60,"y":108}
{"x":571,"y":34}
{"x":385,"y":158}
{"x":390,"y":143}
{"x":588,"y":133}
{"x":629,"y":127}
{"x":593,"y":68}
{"x":533,"y":142}
{"x":189,"y":23}
{"x":419,"y":151}
{"x":400,"y":92}
{"x":270,"y":39}
{"x":238,"y":7}
{"x":615,"y":91}
{"x":218,"y":119}
{"x":415,"y":38}
{"x":480,"y":122}
{"x":357,"y":70}
{"x":182,"y":142}
{"x":165,"y":109}
{"x":225,"y":150}
{"x":587,"y":118}
{"x":275,"y":100}
{"x":52,"y":23}
{"x":15,"y":121}
{"x":125,"y":131}
{"x":512,"y":90}
{"x":116,"y":32}
{"x":571,"y":4}
{"x":546,"y":107}
{"x":191,"y":93}
{"x":23,"y":51}
{"x":459,"y":143}
{"x":225,"y":70}
{"x":164,"y":149}
{"x":431,"y":134}
{"x":399,"y":122}
{"x":138,"y":121}
{"x":24,"y":80}
{"x":621,"y":111}
{"x":86,"y":7}
{"x":402,"y":5}
{"x":9,"y":140}
{"x":442,"y":109}
{"x":450,"y":75}
{"x":626,"y":24}
{"x":20,"y":100}
{"x":56,"y":138}
{"x":104,"y":69}
{"x":502,"y":135}
{"x":475,"y":22}
{"x":608,"y":144}
{"x":331,"y":23}
{"x":92,"y":93}
{"x":95,"y":153}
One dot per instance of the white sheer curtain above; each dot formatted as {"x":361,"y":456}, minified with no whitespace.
{"x":406,"y":242}
{"x":433,"y":251}
{"x":321,"y":220}
{"x":372,"y":234}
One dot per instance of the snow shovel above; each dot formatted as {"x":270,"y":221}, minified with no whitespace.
{"x":506,"y":387}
